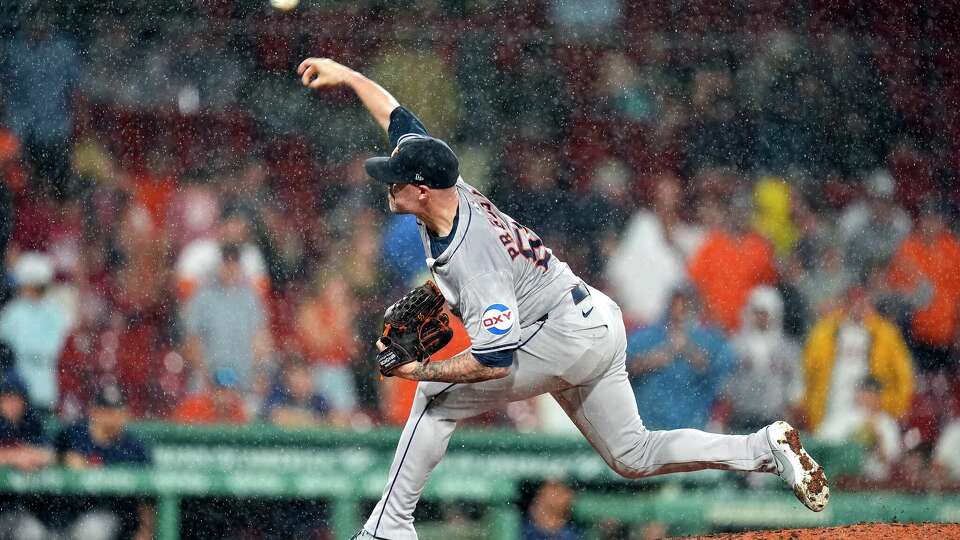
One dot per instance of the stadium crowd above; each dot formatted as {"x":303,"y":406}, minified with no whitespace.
{"x":766,"y":189}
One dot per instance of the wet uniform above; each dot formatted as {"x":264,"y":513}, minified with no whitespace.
{"x":526,"y":309}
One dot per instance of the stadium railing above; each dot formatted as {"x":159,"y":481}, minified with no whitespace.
{"x":347,"y":470}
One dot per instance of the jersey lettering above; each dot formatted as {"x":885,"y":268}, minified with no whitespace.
{"x":518,"y":239}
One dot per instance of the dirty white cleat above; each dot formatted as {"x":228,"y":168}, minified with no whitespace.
{"x":797,"y":468}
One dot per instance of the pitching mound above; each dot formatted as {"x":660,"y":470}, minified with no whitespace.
{"x":870,"y":531}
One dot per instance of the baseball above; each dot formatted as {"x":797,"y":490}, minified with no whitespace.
{"x":284,"y":5}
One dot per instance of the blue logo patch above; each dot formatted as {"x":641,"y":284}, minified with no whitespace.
{"x":497,"y":319}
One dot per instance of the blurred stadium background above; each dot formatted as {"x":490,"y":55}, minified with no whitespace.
{"x":195,"y":265}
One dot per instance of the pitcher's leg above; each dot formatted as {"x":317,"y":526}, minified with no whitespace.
{"x":436,"y":410}
{"x":421,"y":447}
{"x":605,"y":411}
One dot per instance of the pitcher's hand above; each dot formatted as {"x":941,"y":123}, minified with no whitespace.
{"x":322,"y":73}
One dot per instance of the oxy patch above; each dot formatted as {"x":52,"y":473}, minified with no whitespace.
{"x":497,"y":319}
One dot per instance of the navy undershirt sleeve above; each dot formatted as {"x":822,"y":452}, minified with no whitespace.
{"x":495,"y":359}
{"x":403,"y":122}
{"x":437,"y":243}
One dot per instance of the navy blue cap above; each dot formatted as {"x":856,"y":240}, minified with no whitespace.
{"x":419,"y":159}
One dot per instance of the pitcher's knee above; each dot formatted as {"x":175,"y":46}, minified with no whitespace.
{"x":629,"y":460}
{"x":627,"y":471}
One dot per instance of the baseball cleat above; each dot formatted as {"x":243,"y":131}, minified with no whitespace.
{"x":797,"y":468}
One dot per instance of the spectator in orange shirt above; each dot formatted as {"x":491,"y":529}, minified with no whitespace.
{"x":926,"y":268}
{"x":732,"y":260}
{"x":220,"y":404}
{"x":327,"y":328}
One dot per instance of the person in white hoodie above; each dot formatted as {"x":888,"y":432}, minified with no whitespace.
{"x":769,"y":376}
{"x":650,"y":261}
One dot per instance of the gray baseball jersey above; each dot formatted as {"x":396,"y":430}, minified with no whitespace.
{"x":560,"y":337}
{"x":496,"y":273}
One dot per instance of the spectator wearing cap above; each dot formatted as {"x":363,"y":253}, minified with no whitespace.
{"x":226,"y":327}
{"x":732,"y":260}
{"x":846,"y":347}
{"x":220,"y":404}
{"x":872,"y":228}
{"x":678,"y":366}
{"x":930,"y":258}
{"x":292,"y":402}
{"x":199,"y":260}
{"x":35,"y":327}
{"x":103,"y":440}
{"x":23,"y":443}
{"x":23,"y":446}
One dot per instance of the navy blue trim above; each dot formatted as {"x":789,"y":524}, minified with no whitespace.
{"x":494,"y":348}
{"x":462,"y":237}
{"x":497,"y":359}
{"x":404,"y":456}
{"x":439,"y":244}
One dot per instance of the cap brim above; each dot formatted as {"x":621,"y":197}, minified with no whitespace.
{"x":381,"y":170}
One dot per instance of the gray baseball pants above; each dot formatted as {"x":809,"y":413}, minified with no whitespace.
{"x":580,"y":361}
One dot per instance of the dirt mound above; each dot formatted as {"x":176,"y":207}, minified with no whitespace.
{"x":867,"y":531}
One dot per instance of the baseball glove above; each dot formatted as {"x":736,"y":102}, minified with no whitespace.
{"x":415,"y":327}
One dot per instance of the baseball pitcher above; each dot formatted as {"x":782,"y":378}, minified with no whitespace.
{"x":534,"y":326}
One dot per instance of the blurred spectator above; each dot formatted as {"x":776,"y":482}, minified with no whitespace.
{"x":842,"y":351}
{"x":327,"y":329}
{"x":548,"y":517}
{"x":23,"y":446}
{"x":716,"y":134}
{"x":193,"y":214}
{"x":946,"y":459}
{"x":227,"y":327}
{"x":104,"y":441}
{"x":825,"y":282}
{"x":772,"y":214}
{"x":293,"y":403}
{"x":872,"y":228}
{"x":219,"y":404}
{"x":401,"y":250}
{"x":200,"y":259}
{"x":35,"y":326}
{"x":598,"y":213}
{"x":23,"y":443}
{"x":869,"y":424}
{"x":38,"y":106}
{"x":731,"y":261}
{"x":681,"y":361}
{"x":768,"y":378}
{"x":650,"y":261}
{"x":928,"y":259}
